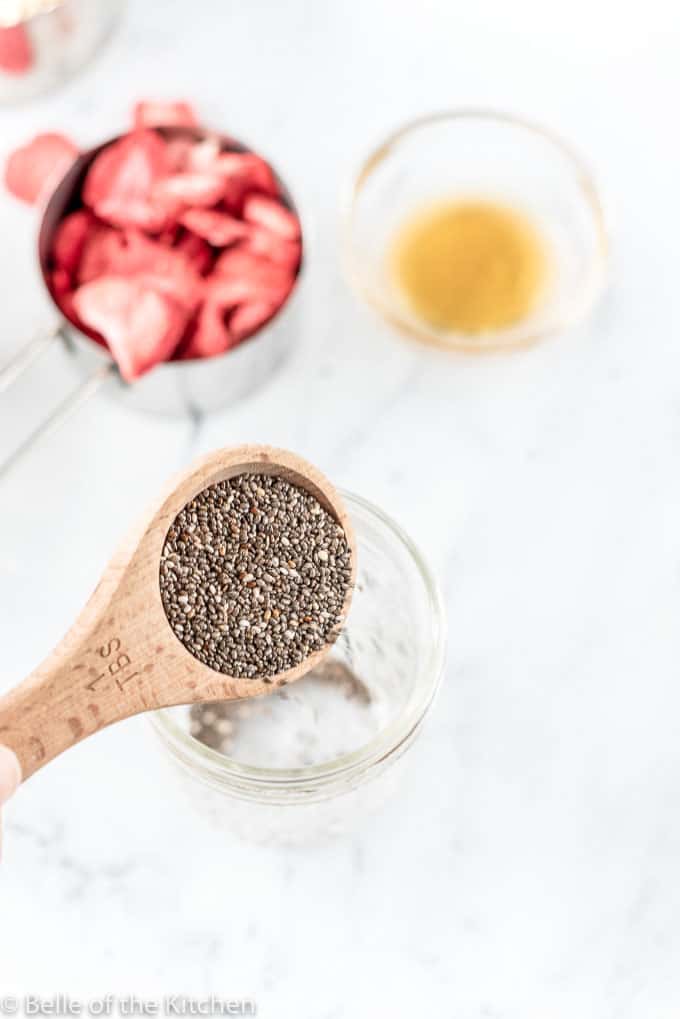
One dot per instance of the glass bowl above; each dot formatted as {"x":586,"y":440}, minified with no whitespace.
{"x":310,"y":760}
{"x":486,"y":156}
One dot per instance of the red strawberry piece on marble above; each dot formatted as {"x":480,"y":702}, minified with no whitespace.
{"x":119,"y":184}
{"x":70,"y":238}
{"x":34,"y":170}
{"x":272,"y":215}
{"x":217,"y":228}
{"x":141,"y":326}
{"x":246,"y":319}
{"x":163,"y":114}
{"x":16,"y":52}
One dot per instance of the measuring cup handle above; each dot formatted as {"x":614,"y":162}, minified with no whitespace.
{"x":25,"y":357}
{"x":63,"y":411}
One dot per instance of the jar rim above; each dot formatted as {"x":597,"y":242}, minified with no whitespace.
{"x":396,"y":734}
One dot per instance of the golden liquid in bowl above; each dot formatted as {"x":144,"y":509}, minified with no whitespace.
{"x":469,"y":266}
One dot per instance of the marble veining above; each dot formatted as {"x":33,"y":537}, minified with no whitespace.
{"x":528,"y":869}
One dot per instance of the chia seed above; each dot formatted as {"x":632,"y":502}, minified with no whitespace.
{"x":253,"y":576}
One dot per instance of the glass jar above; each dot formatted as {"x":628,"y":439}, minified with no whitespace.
{"x":312,"y":759}
{"x":43,"y":42}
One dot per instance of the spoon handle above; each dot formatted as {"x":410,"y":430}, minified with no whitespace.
{"x":86,"y":683}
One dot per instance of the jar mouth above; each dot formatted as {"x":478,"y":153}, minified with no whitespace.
{"x":524,"y":334}
{"x":397,"y":733}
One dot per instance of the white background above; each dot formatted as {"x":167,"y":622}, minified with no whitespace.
{"x":530,"y":870}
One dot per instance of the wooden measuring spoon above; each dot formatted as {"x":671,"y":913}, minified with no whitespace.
{"x":121,"y":656}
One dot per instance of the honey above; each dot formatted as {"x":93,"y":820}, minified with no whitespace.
{"x":469,"y":266}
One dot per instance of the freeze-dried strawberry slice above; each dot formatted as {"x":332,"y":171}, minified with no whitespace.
{"x":32,"y":171}
{"x":172,"y":274}
{"x":168,"y":270}
{"x":107,"y":251}
{"x":210,"y":336}
{"x":196,"y":250}
{"x":132,"y":163}
{"x":60,"y":282}
{"x":249,"y":168}
{"x":140,"y":326}
{"x":269,"y":245}
{"x":131,"y":253}
{"x":119,"y":183}
{"x":61,"y":290}
{"x":217,"y":228}
{"x":242,"y":172}
{"x":247,"y":318}
{"x":230,"y":291}
{"x":272,"y":215}
{"x":176,"y":274}
{"x":163,"y":114}
{"x":180,"y":292}
{"x":249,"y":277}
{"x":16,"y":52}
{"x":202,"y":155}
{"x":126,"y":212}
{"x":70,"y":238}
{"x":169,"y":235}
{"x":179,"y":152}
{"x":189,"y":190}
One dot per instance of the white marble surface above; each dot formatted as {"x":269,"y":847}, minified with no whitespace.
{"x":537,"y":873}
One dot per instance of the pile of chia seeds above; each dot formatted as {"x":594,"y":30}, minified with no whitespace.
{"x":253,"y":576}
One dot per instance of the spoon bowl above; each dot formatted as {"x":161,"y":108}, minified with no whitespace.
{"x":121,"y":657}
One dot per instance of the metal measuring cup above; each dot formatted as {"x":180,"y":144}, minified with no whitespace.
{"x":173,"y":388}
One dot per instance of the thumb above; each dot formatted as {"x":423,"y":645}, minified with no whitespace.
{"x":10,"y":773}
